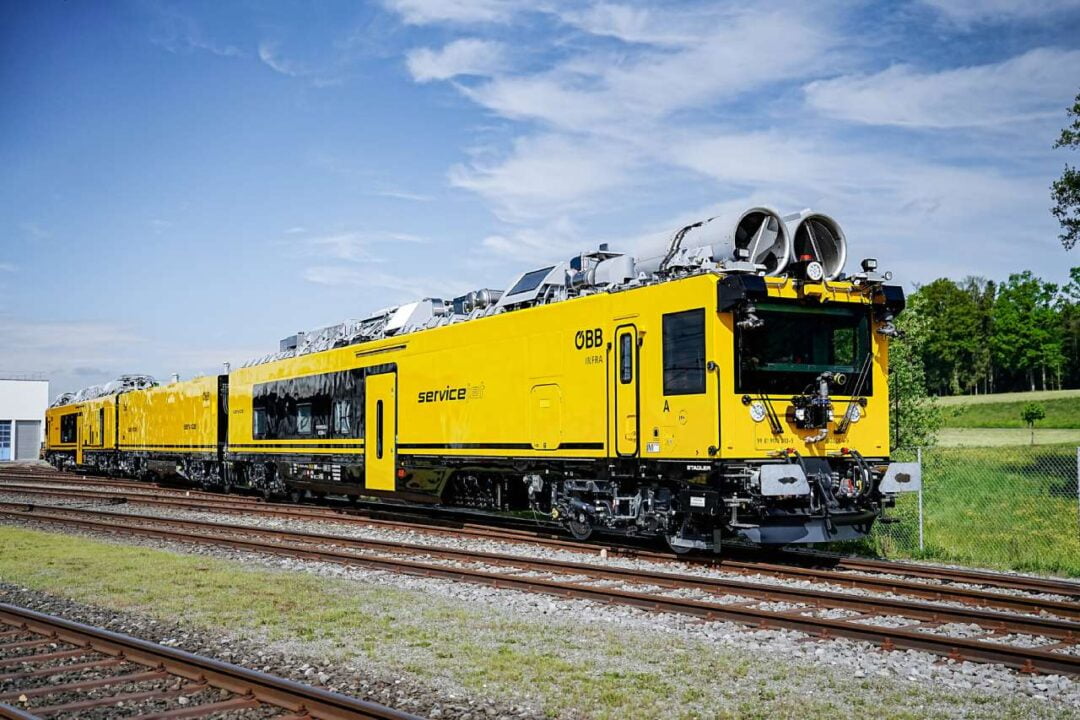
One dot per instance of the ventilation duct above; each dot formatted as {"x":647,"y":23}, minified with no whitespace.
{"x":819,"y":236}
{"x":759,"y":231}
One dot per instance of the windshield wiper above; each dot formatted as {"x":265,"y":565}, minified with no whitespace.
{"x":770,"y":413}
{"x":856,"y":395}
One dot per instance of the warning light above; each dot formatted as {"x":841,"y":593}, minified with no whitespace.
{"x":790,"y":451}
{"x":401,"y":473}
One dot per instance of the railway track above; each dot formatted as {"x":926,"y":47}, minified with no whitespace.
{"x":868,"y":574}
{"x":56,"y":668}
{"x":999,"y":638}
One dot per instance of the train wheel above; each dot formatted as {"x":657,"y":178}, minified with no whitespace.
{"x":671,"y":540}
{"x":580,"y":528}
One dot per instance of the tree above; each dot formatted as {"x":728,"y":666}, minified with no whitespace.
{"x":916,"y":417}
{"x":1065,"y":191}
{"x":1070,"y":327}
{"x":1031,"y":414}
{"x":982,"y":293}
{"x":1025,"y":329}
{"x":953,"y":341}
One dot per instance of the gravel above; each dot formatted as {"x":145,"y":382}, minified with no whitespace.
{"x":420,"y":537}
{"x":351,"y":678}
{"x":850,"y":658}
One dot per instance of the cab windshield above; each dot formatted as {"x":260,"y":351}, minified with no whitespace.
{"x":797,"y":343}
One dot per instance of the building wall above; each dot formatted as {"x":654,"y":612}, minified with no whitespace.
{"x":22,"y":400}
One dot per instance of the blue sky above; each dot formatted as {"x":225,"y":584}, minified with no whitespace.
{"x":185,"y":183}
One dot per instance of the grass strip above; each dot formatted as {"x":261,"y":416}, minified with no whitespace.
{"x":571,"y":666}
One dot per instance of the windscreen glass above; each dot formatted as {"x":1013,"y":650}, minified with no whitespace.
{"x":797,"y":343}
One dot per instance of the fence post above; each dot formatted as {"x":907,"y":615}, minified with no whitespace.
{"x":918,"y":452}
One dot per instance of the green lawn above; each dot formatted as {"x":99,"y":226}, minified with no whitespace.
{"x":566,"y":664}
{"x":1036,"y":396}
{"x":1004,"y":507}
{"x":1061,"y":413}
{"x":997,"y":437}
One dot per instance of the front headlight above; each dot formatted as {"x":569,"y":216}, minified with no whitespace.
{"x":854,"y":412}
{"x":757,"y":411}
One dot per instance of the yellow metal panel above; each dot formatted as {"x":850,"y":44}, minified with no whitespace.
{"x":493,"y":364}
{"x":381,"y":432}
{"x":178,"y":417}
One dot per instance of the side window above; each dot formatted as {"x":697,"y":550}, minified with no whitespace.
{"x":303,"y":419}
{"x":342,"y":418}
{"x":259,"y":430}
{"x":626,"y":358}
{"x":378,"y":430}
{"x":69,"y":428}
{"x":101,"y":426}
{"x":684,"y":352}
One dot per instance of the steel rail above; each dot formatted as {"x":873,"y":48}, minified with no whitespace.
{"x":1050,"y":627}
{"x":251,"y":684}
{"x":747,"y":567}
{"x":1025,"y":659}
{"x":801,"y":563}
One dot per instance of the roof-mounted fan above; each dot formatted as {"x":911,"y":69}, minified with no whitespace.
{"x":816,"y":237}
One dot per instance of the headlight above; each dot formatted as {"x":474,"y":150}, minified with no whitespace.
{"x":854,"y":412}
{"x":757,"y":411}
{"x":814,"y":271}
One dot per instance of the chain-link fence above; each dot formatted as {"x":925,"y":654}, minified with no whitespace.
{"x":1008,"y":507}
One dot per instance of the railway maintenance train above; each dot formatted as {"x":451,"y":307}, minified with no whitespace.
{"x":732,"y":384}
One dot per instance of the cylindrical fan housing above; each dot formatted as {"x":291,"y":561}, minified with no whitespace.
{"x":818,"y":237}
{"x":758,"y":230}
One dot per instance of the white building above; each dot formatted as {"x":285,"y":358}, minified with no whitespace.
{"x":23,"y":401}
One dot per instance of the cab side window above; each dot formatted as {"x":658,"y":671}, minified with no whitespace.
{"x":684,"y":352}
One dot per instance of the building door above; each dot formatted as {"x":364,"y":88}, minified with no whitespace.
{"x":5,"y":440}
{"x":380,"y":431}
{"x":626,"y":390}
{"x":27,"y":439}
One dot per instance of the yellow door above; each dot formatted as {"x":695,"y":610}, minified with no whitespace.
{"x":79,"y":429}
{"x":380,"y":431}
{"x":626,"y":390}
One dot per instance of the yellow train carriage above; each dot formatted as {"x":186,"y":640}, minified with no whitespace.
{"x":62,"y":436}
{"x":177,"y":428}
{"x":665,"y":380}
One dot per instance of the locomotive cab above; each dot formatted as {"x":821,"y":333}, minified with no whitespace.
{"x":804,"y":451}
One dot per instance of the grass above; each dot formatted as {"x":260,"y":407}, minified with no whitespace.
{"x":570,"y":666}
{"x":1061,"y":413}
{"x":1011,"y":508}
{"x":998,"y":437}
{"x":1034,"y":396}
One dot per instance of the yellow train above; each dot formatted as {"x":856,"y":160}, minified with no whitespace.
{"x":699,"y":394}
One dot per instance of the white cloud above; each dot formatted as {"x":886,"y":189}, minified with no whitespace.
{"x":8,"y":267}
{"x":738,"y":53}
{"x":422,"y":12}
{"x":546,"y":174}
{"x":35,"y":230}
{"x":270,"y":55}
{"x":355,"y":246}
{"x":1033,"y":85}
{"x":636,"y":24}
{"x":467,"y":56}
{"x":403,"y":288}
{"x":554,"y":240}
{"x":178,"y":33}
{"x":968,"y":11}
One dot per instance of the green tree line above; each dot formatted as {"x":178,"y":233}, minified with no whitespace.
{"x":977,"y":336}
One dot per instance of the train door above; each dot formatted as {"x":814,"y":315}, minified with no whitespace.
{"x":380,"y":431}
{"x":627,"y":421}
{"x":79,"y":430}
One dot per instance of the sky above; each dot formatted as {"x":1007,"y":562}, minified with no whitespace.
{"x":185,"y":183}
